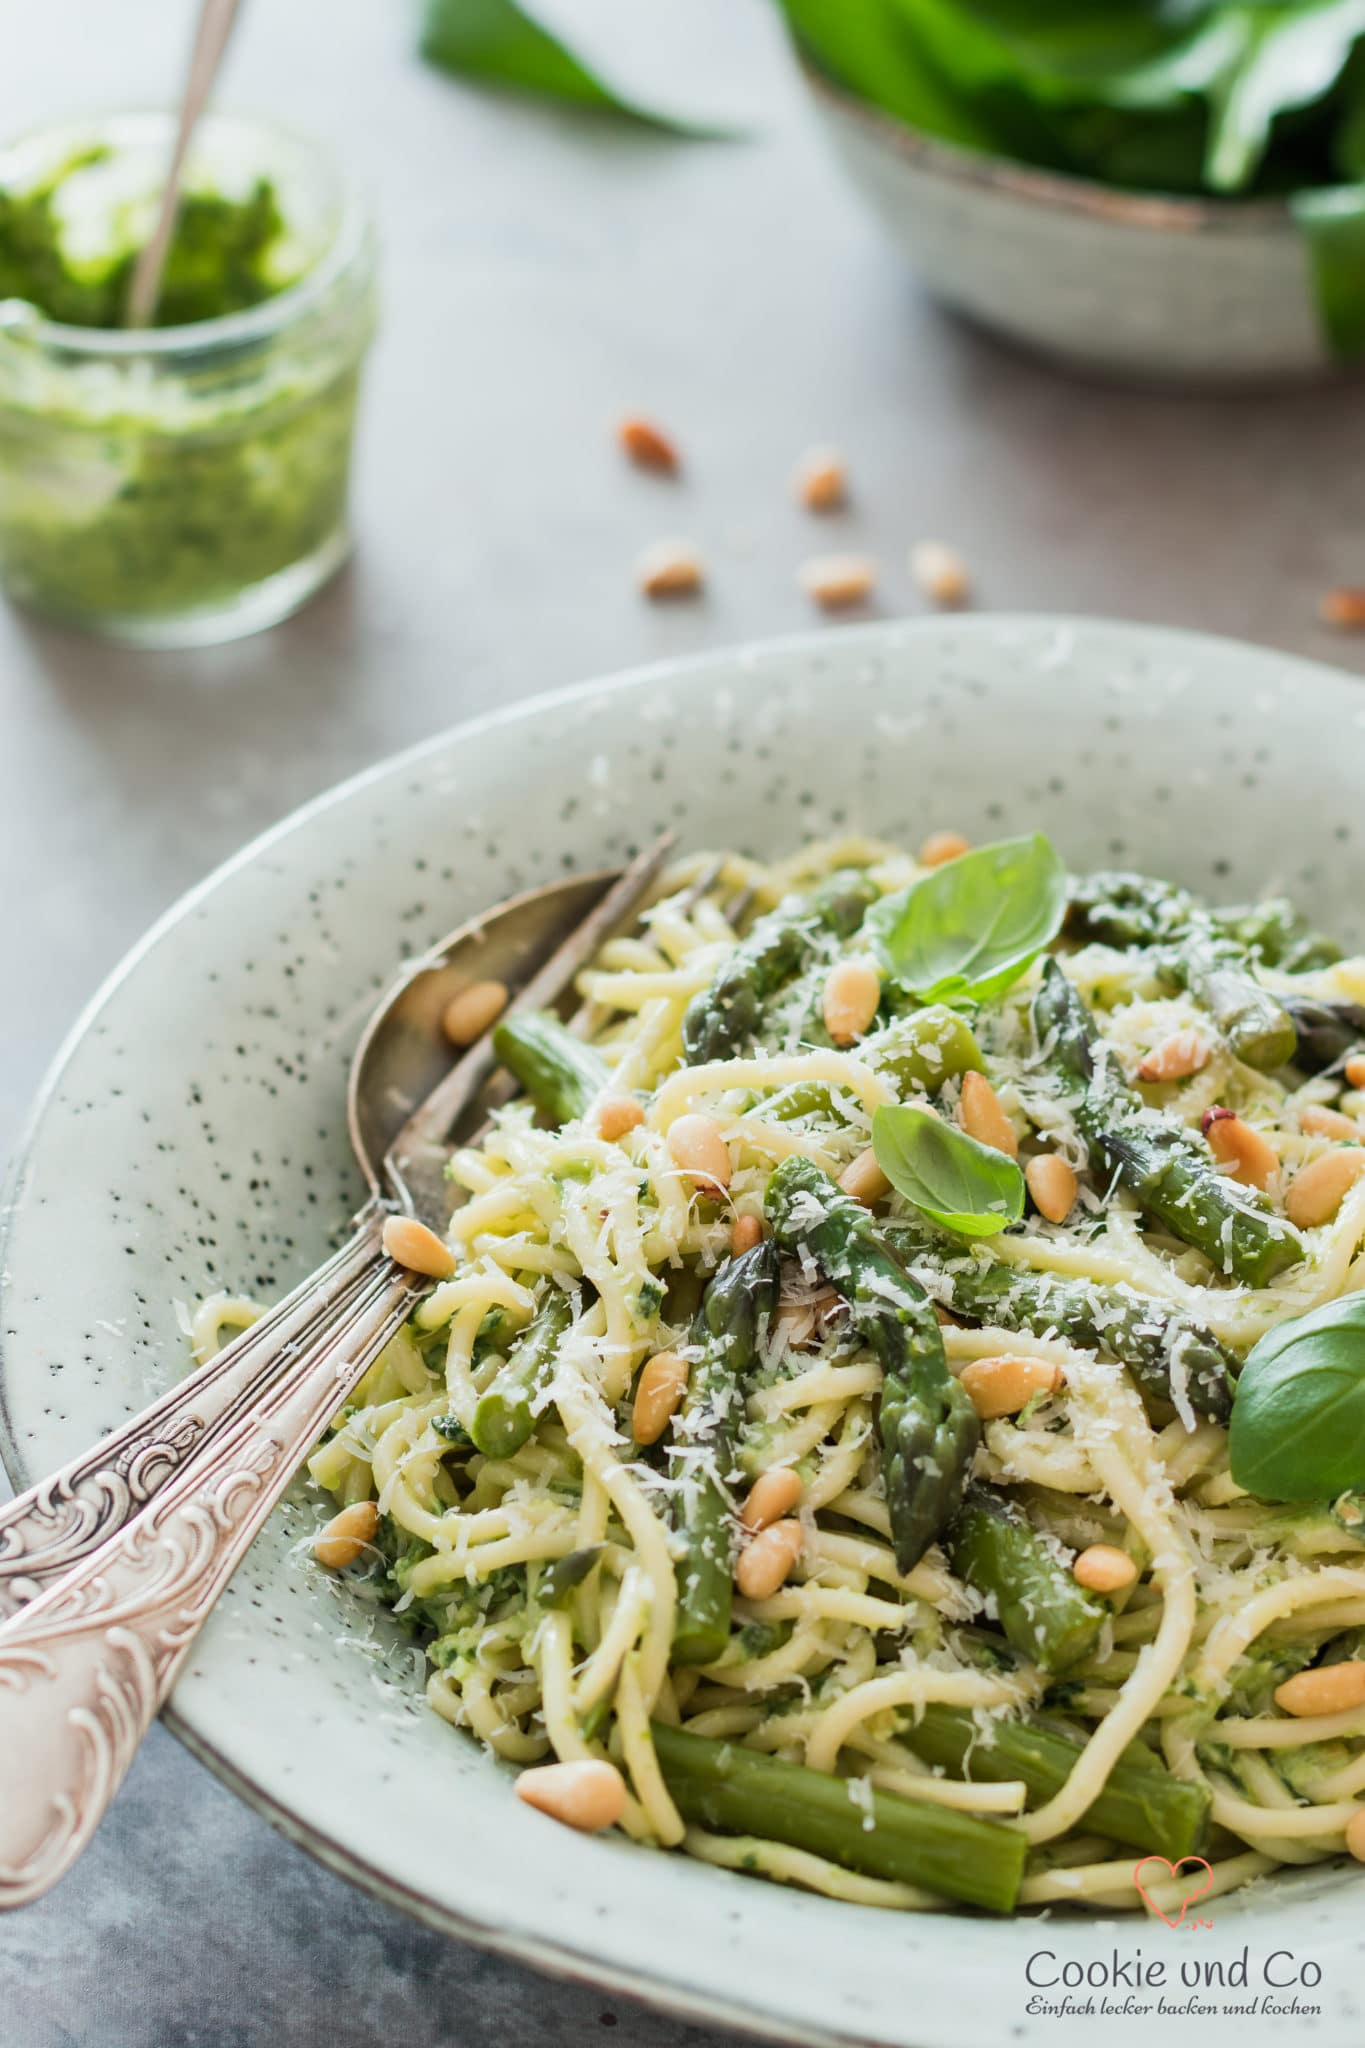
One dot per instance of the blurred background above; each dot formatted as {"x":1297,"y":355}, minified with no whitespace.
{"x":545,"y":270}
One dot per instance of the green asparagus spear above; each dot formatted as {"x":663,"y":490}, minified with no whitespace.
{"x":559,"y":1072}
{"x":566,"y":1574}
{"x":503,"y":1418}
{"x":1204,"y":951}
{"x":721,"y":1020}
{"x":917,"y":1052}
{"x":1046,"y":1616}
{"x":1141,"y":1804}
{"x":1327,"y":1031}
{"x":722,"y":1785}
{"x":1157,"y":1343}
{"x":1138,"y":910}
{"x":929,"y":1428}
{"x":1171,"y":1174}
{"x":702,"y":1448}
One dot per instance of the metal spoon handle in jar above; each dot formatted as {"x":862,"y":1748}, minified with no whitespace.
{"x":85,"y":1668}
{"x":216,"y":18}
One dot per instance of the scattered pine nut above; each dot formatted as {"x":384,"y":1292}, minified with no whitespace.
{"x":1355,"y":1070}
{"x":766,"y":1563}
{"x":940,"y":572}
{"x":1176,"y":1058}
{"x":771,"y":1496}
{"x":1355,"y":1835}
{"x":588,"y":1794}
{"x":838,"y":581}
{"x":699,"y":1149}
{"x":347,"y":1535}
{"x":1104,"y":1569}
{"x":747,"y":1232}
{"x":671,"y":568}
{"x":983,"y":1118}
{"x":941,"y":847}
{"x":617,"y":1114}
{"x":864,"y":1180}
{"x":646,"y":444}
{"x":660,"y":1387}
{"x":821,"y":480}
{"x":1327,"y":1689}
{"x":1319,"y":1190}
{"x":1052,"y":1184}
{"x":1343,"y":608}
{"x":1004,"y":1386}
{"x":853,"y":990}
{"x":409,"y":1243}
{"x":1330,"y":1123}
{"x":469,"y":1014}
{"x":1234,"y":1143}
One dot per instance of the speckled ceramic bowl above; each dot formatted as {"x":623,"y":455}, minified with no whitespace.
{"x":193,"y":1136}
{"x":1178,"y":290}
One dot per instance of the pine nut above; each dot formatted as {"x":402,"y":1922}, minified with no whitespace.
{"x":588,"y":1794}
{"x":1330,"y":1123}
{"x":1103,"y":1569}
{"x":983,"y":1118}
{"x":671,"y":568}
{"x":409,"y":1243}
{"x":835,"y":581}
{"x":864,"y":1180}
{"x":346,"y":1535}
{"x":699,"y":1149}
{"x":1355,"y":1835}
{"x":660,"y":1387}
{"x":1319,"y":1190}
{"x":771,"y":1497}
{"x":1052,"y":1184}
{"x":766,"y":1563}
{"x":1176,"y":1058}
{"x":941,"y":847}
{"x":940,"y":572}
{"x":617,"y":1114}
{"x":1355,"y":1070}
{"x":1235,"y":1144}
{"x":821,"y":480}
{"x":1343,"y":608}
{"x":469,"y":1014}
{"x":853,"y":989}
{"x":747,"y":1232}
{"x":1329,"y":1689}
{"x":646,"y":444}
{"x":1002,"y":1386}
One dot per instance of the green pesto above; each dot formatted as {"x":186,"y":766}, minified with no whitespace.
{"x":193,"y":486}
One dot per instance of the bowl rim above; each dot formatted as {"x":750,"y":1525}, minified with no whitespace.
{"x":1117,"y":205}
{"x":549,"y":1955}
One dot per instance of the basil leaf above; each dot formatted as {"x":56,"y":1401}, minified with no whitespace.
{"x":971,"y":927}
{"x":964,"y":1186}
{"x":1298,"y":1421}
{"x":502,"y":43}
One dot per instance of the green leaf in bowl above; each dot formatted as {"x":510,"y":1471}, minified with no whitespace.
{"x":956,"y":1182}
{"x":971,"y":927}
{"x":1298,"y":1421}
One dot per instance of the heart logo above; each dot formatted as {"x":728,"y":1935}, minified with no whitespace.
{"x":1173,"y":1870}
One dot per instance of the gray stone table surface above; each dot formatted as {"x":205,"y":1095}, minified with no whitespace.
{"x":542,"y":273}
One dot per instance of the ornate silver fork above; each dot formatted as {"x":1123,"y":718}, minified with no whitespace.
{"x":110,"y":1567}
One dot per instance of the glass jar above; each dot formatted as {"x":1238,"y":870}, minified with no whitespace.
{"x":182,"y":485}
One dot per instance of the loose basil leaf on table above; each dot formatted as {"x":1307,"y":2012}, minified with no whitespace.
{"x":956,"y":1182}
{"x":1298,"y":1420}
{"x":970,"y":928}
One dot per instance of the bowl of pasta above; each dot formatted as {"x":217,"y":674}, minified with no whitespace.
{"x":890,"y":1467}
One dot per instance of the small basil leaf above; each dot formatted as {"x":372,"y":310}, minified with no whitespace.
{"x":958,"y":1183}
{"x":971,"y":927}
{"x":1298,"y":1422}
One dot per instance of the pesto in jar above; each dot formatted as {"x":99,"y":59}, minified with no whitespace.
{"x":161,"y":484}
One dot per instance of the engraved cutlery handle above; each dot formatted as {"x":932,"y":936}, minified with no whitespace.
{"x":51,"y":1527}
{"x":85,"y":1667}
